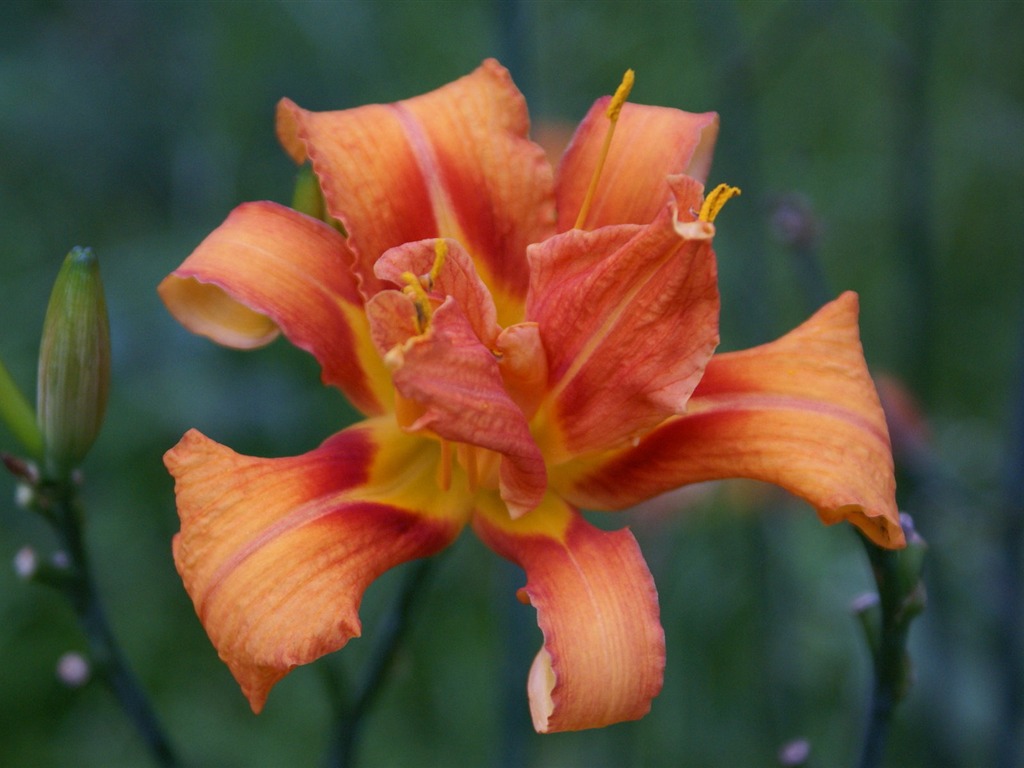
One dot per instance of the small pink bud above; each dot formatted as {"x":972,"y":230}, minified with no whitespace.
{"x":26,"y":563}
{"x":73,"y":670}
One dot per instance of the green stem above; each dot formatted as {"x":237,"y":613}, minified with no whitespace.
{"x":59,"y":503}
{"x":352,"y":715}
{"x":891,"y":663}
{"x":19,"y":415}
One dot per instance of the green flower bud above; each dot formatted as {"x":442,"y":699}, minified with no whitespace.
{"x":308,"y":198}
{"x":74,"y":363}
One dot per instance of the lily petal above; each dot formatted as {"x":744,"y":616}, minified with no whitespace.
{"x":276,"y":553}
{"x":650,"y":144}
{"x":456,"y":277}
{"x":457,"y":384}
{"x":269,"y":269}
{"x":629,"y":319}
{"x":603,"y":656}
{"x":451,"y":163}
{"x":800,"y":412}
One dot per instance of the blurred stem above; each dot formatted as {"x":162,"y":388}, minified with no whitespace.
{"x":18,"y":415}
{"x":913,"y":177}
{"x":1010,"y":581}
{"x":900,"y":600}
{"x":393,"y":630}
{"x":58,"y":502}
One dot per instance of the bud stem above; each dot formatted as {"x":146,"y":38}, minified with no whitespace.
{"x":899,"y":605}
{"x":59,"y":503}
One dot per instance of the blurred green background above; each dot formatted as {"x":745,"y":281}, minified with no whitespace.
{"x":880,"y":148}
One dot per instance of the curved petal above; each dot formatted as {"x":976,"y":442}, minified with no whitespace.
{"x":800,"y":412}
{"x":267,"y":270}
{"x":456,"y":277}
{"x":276,"y":553}
{"x":604,"y":649}
{"x":456,"y":383}
{"x":649,"y":145}
{"x":451,"y":163}
{"x":629,"y":319}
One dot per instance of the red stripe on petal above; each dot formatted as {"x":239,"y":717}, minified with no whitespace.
{"x":451,"y":163}
{"x":276,"y":553}
{"x":603,"y":656}
{"x":268,"y":267}
{"x":800,"y":412}
{"x":629,"y":318}
{"x":494,"y":185}
{"x":370,"y":177}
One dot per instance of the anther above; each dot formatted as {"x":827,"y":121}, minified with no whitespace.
{"x":440,"y":254}
{"x":714,"y":201}
{"x":612,"y":113}
{"x":414,"y":290}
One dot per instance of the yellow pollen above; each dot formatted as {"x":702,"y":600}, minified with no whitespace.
{"x":415,"y":291}
{"x":612,"y":113}
{"x":621,"y":94}
{"x":714,"y":202}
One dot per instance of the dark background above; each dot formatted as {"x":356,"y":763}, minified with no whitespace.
{"x":880,"y":148}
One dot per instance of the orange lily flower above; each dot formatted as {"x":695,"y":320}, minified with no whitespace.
{"x":522,"y":343}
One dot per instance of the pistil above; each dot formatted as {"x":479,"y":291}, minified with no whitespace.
{"x":612,"y":113}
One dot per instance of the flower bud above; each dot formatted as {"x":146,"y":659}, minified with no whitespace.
{"x":74,"y":363}
{"x":73,"y":669}
{"x":26,"y":563}
{"x":308,"y":198}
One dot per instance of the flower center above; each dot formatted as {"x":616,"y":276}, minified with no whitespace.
{"x":612,"y":113}
{"x":479,"y":464}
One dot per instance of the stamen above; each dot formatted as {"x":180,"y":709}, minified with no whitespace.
{"x":415,"y":291}
{"x":612,"y":113}
{"x":440,"y":254}
{"x":444,"y":468}
{"x":472,"y":477}
{"x":621,"y":94}
{"x":714,"y":202}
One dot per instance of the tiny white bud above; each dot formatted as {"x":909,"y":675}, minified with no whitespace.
{"x":60,"y":559}
{"x":73,"y":669}
{"x":795,"y":752}
{"x":864,"y":602}
{"x":23,"y":495}
{"x":26,"y":563}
